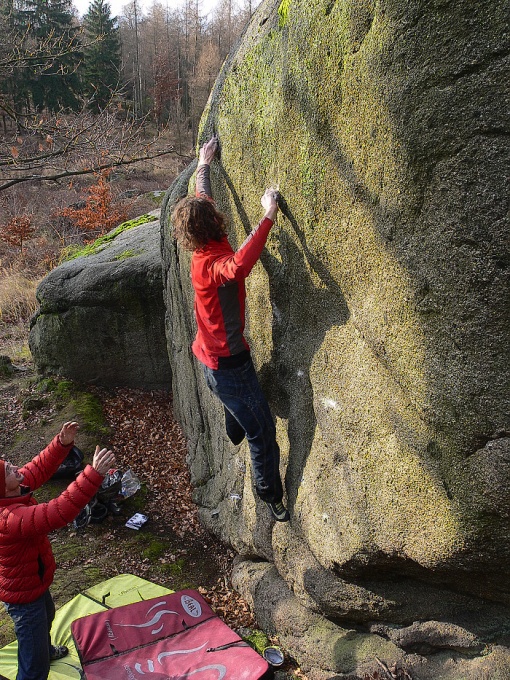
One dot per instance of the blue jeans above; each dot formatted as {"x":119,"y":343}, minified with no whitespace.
{"x":247,"y":410}
{"x":32,"y":625}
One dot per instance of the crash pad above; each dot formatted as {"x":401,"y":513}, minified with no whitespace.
{"x":170,"y":637}
{"x":115,"y":592}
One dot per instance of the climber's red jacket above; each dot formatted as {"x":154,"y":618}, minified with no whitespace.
{"x":27,"y":564}
{"x":217,"y":275}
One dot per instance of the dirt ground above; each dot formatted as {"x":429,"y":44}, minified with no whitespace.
{"x":172,"y":548}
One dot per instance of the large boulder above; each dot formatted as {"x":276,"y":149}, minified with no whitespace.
{"x":378,"y":319}
{"x":101,"y":316}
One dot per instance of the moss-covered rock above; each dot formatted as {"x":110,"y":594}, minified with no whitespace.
{"x":101,"y":313}
{"x":378,"y":314}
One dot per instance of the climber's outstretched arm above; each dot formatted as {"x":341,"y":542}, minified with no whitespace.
{"x":205,"y":158}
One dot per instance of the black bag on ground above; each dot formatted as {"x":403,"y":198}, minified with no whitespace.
{"x":71,"y":465}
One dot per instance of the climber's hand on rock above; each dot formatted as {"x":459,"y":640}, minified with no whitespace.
{"x":208,"y":151}
{"x":269,"y":203}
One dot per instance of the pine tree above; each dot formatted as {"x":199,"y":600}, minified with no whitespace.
{"x":6,"y":8}
{"x":14,"y":93}
{"x":50,"y":25}
{"x":102,"y":57}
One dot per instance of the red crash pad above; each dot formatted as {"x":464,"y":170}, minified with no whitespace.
{"x":171,"y":637}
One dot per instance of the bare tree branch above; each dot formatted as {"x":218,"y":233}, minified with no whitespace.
{"x":86,"y":171}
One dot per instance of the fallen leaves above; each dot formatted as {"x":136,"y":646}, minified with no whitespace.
{"x":147,"y":438}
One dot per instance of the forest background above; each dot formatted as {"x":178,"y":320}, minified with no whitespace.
{"x":98,"y":114}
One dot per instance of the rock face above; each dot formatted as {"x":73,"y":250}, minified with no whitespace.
{"x":378,"y":320}
{"x":101,"y":317}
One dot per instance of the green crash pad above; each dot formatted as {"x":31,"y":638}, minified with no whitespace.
{"x":117,"y":591}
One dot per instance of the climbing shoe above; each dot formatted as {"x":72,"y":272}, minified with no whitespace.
{"x":58,"y":652}
{"x":279,"y":511}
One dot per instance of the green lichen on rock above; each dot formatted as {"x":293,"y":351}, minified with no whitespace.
{"x":331,"y":110}
{"x":126,"y":254}
{"x":72,"y":252}
{"x":283,"y":11}
{"x":377,"y":316}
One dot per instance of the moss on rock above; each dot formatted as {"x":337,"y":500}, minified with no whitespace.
{"x":72,"y":252}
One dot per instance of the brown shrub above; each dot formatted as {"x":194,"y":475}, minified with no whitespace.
{"x":99,"y":215}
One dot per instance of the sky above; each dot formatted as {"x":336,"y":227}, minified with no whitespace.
{"x":117,"y":5}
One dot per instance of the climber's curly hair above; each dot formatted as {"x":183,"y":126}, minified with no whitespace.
{"x":197,"y":221}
